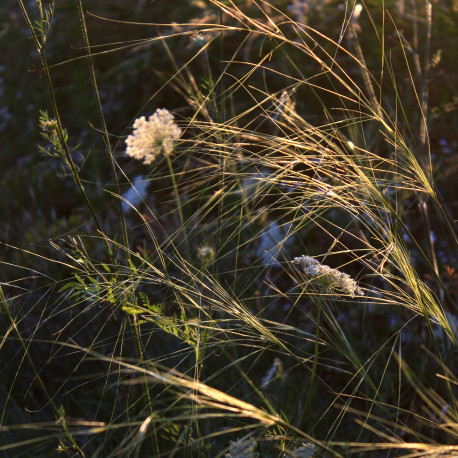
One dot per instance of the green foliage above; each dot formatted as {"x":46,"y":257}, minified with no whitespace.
{"x":43,"y":25}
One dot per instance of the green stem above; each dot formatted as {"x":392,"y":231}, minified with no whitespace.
{"x":104,"y":126}
{"x":139,"y":352}
{"x":74,"y":171}
{"x":132,"y":320}
{"x":220,"y":141}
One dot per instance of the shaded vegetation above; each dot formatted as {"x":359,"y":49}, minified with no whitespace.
{"x":157,"y":309}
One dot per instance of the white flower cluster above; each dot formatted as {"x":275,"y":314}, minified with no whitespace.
{"x":243,"y":448}
{"x":328,"y":276}
{"x":152,"y":137}
{"x":306,"y":451}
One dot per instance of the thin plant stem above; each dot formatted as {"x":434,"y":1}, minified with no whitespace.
{"x":68,"y":156}
{"x":75,"y":174}
{"x":178,"y":202}
{"x":220,"y":139}
{"x":132,"y":319}
{"x":314,"y":364}
{"x":102,"y":120}
{"x":68,"y":434}
{"x":139,"y":352}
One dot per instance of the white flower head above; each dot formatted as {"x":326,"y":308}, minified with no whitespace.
{"x":152,"y":137}
{"x":243,"y":448}
{"x":306,"y":451}
{"x":328,"y":276}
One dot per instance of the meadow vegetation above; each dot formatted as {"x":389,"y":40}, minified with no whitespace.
{"x":229,"y":228}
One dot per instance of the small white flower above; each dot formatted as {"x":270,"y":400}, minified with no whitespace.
{"x":356,"y":13}
{"x":329,"y":277}
{"x":49,"y":125}
{"x":206,"y":254}
{"x":152,"y":137}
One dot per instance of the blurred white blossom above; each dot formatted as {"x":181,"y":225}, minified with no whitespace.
{"x":272,"y":240}
{"x":206,"y":254}
{"x":135,"y":194}
{"x":299,"y":8}
{"x":328,"y":277}
{"x":152,"y":137}
{"x":243,"y":448}
{"x":275,"y":371}
{"x":305,"y":451}
{"x":356,"y":13}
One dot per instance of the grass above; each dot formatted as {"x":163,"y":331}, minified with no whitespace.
{"x":157,"y":309}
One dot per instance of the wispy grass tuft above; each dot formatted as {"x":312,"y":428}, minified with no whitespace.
{"x":262,"y":267}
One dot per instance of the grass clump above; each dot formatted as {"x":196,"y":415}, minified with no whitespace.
{"x":264,"y":265}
